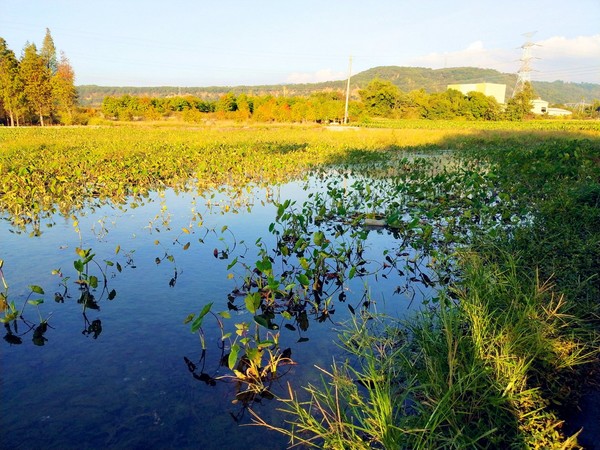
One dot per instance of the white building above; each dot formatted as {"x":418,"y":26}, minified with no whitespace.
{"x":498,"y":91}
{"x":539,"y":106}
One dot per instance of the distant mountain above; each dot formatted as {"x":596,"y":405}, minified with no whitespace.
{"x":406,"y":78}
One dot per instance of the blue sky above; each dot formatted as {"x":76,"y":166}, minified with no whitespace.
{"x":226,"y":42}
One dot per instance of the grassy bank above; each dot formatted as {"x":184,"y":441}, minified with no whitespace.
{"x":506,"y":347}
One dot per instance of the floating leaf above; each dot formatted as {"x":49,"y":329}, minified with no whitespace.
{"x":78,"y":264}
{"x":112,"y":294}
{"x":262,"y":321}
{"x":266,"y":343}
{"x":189,"y":318}
{"x":35,"y":302}
{"x":117,"y":250}
{"x":185,"y":230}
{"x":319,"y":238}
{"x":264,"y":265}
{"x":198,"y":322}
{"x":252,"y":302}
{"x":36,"y":289}
{"x":352,"y":272}
{"x":303,"y":280}
{"x":233,"y":355}
{"x":254,"y":355}
{"x":186,"y":246}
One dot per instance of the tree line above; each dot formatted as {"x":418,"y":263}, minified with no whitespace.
{"x":37,"y":88}
{"x":317,"y":107}
{"x":380,"y":98}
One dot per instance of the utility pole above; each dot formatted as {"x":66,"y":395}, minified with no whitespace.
{"x":348,"y":91}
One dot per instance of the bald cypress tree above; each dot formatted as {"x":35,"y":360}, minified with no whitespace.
{"x":36,"y":77}
{"x":48,"y":53}
{"x":11,"y":89}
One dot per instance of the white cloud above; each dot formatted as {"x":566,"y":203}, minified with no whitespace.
{"x":560,"y":58}
{"x":315,"y":77}
{"x":475,"y":46}
{"x":579,"y":47}
{"x":556,"y":58}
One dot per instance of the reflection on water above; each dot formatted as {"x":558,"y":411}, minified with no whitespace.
{"x":106,"y":360}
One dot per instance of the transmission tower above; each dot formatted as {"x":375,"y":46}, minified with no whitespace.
{"x":524,"y":73}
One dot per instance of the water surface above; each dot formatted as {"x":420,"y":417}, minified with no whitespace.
{"x":127,"y":385}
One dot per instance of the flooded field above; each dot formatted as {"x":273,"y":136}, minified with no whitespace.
{"x":164,"y":293}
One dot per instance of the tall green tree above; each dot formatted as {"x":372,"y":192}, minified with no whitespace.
{"x":227,"y":103}
{"x":11,"y":90}
{"x":519,"y":106}
{"x":420,"y":103}
{"x":63,"y":89}
{"x":483,"y":107}
{"x":442,"y":105}
{"x":37,"y":86}
{"x":244,"y":107}
{"x":48,"y":53}
{"x":380,"y":97}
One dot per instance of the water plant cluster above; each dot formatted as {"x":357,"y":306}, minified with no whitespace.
{"x":498,"y":227}
{"x":65,"y":170}
{"x":491,"y":365}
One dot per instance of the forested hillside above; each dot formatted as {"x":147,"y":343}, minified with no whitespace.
{"x":406,"y":78}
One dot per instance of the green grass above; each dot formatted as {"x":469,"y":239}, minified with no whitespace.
{"x":483,"y":372}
